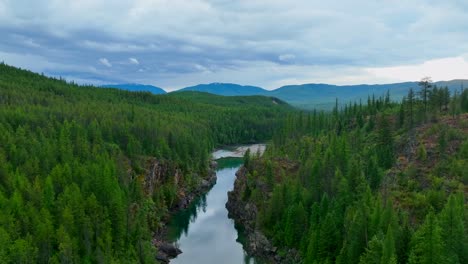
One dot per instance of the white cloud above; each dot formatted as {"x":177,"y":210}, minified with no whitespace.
{"x":28,"y":61}
{"x":105,"y":62}
{"x":438,"y":69}
{"x":201,"y":68}
{"x":3,"y":11}
{"x":133,"y":61}
{"x":286,"y":57}
{"x":117,"y":47}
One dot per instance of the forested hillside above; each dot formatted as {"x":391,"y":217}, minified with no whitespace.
{"x":382,"y":183}
{"x":228,"y":89}
{"x":136,"y":88}
{"x":322,"y":96}
{"x":73,"y":162}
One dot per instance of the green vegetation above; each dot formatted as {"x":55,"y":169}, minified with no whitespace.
{"x":382,"y":183}
{"x":73,"y":163}
{"x":322,"y":96}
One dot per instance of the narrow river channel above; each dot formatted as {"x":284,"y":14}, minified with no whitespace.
{"x":203,"y":231}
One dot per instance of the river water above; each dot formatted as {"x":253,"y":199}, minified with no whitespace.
{"x":203,"y":231}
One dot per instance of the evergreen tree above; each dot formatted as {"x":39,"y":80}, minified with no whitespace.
{"x":454,"y":233}
{"x":425,"y":84}
{"x":388,"y":250}
{"x":385,"y":143}
{"x":427,"y":245}
{"x":411,"y":102}
{"x":373,"y":253}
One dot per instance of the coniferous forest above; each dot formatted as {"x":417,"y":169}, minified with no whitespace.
{"x":73,"y":158}
{"x":381,"y":182}
{"x":369,"y":182}
{"x":233,"y":132}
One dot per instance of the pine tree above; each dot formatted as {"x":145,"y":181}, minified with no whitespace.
{"x":388,"y":251}
{"x":373,"y":253}
{"x":411,"y":107}
{"x":247,"y":158}
{"x":296,"y":225}
{"x":454,"y":233}
{"x":427,"y":246}
{"x":4,"y":241}
{"x":385,"y":153}
{"x":401,"y":113}
{"x":23,"y":251}
{"x":425,"y":84}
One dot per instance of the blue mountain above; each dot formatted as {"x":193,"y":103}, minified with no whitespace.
{"x":321,"y":96}
{"x":226,"y":89}
{"x":136,"y":87}
{"x":310,"y":96}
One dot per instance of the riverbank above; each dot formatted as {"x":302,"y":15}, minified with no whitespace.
{"x":238,"y":151}
{"x":244,"y":213}
{"x":166,"y":249}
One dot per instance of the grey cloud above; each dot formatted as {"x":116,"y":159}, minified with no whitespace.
{"x":257,"y":42}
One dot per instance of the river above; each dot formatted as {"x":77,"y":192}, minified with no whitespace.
{"x":203,"y":231}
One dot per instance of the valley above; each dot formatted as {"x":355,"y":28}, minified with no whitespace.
{"x":316,"y":95}
{"x":203,"y":231}
{"x":233,"y":132}
{"x":98,"y":175}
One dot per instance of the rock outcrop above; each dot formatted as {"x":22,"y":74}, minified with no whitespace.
{"x":244,"y":213}
{"x":166,"y":252}
{"x":204,"y":185}
{"x":162,"y":172}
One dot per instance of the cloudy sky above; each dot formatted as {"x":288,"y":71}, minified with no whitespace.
{"x":269,"y":43}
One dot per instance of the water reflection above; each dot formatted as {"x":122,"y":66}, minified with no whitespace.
{"x":203,"y":231}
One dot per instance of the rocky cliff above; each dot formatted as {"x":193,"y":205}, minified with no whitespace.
{"x":159,"y":173}
{"x":244,"y":213}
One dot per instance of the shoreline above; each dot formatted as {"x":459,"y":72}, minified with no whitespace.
{"x":244,"y":213}
{"x":167,"y":249}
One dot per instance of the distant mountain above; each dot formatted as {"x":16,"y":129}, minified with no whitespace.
{"x":226,"y":89}
{"x":136,"y":87}
{"x":324,"y":95}
{"x":321,"y":96}
{"x":212,"y":99}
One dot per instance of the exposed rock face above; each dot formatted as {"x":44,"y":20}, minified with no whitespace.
{"x":204,"y":185}
{"x":159,"y":172}
{"x":245,"y":213}
{"x":166,"y":252}
{"x":162,"y":172}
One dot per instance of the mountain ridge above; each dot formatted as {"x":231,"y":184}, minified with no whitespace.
{"x":319,"y":95}
{"x":136,"y":87}
{"x":226,"y":89}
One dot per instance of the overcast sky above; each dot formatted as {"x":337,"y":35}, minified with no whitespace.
{"x":269,"y":43}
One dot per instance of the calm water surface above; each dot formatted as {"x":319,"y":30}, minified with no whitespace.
{"x":204,"y":232}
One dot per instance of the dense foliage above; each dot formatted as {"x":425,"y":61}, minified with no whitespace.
{"x":382,"y":183}
{"x":72,"y":163}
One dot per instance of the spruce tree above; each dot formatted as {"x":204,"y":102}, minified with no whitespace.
{"x":454,"y":233}
{"x":427,"y":245}
{"x":426,"y":85}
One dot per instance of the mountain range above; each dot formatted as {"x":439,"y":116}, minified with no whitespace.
{"x":226,"y":89}
{"x":306,"y":96}
{"x":136,"y":87}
